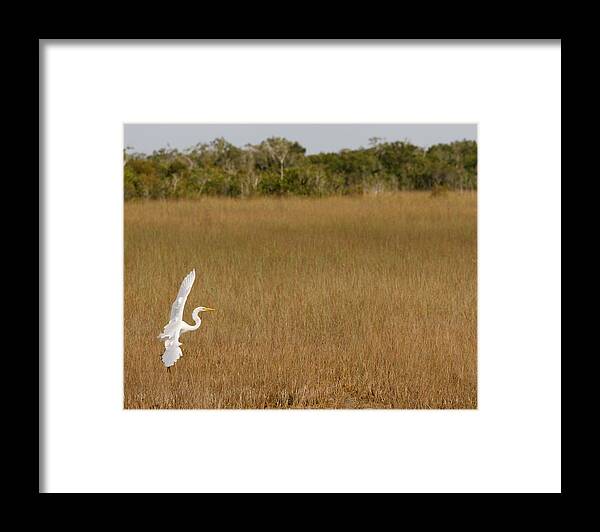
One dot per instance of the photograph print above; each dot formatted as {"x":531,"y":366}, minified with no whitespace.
{"x":300,"y":266}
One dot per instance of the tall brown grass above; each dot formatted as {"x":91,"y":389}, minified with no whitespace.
{"x":363,"y":302}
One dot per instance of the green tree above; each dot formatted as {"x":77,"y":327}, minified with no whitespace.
{"x":280,"y":166}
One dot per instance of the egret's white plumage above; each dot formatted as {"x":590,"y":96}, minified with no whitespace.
{"x":176,"y":325}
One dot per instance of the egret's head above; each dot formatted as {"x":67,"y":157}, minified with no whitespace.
{"x":205,"y":309}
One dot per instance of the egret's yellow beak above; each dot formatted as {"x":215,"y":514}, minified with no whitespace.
{"x":208,"y":308}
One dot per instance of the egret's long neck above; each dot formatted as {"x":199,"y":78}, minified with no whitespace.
{"x":197,"y":321}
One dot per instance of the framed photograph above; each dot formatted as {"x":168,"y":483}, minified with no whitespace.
{"x":339,"y":275}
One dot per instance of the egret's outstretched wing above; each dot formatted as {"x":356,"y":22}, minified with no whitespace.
{"x":172,"y":353}
{"x":184,"y":291}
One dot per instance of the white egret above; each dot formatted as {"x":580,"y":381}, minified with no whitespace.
{"x":176,"y":325}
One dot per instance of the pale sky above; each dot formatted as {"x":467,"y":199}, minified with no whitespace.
{"x":315,"y":138}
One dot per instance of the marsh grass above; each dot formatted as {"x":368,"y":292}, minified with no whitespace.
{"x":345,"y":302}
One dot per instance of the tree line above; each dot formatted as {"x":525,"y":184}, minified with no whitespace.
{"x":278,"y":166}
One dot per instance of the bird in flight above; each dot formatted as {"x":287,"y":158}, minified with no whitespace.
{"x":176,"y":325}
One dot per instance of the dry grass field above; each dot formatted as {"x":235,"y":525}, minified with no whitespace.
{"x":345,"y":302}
